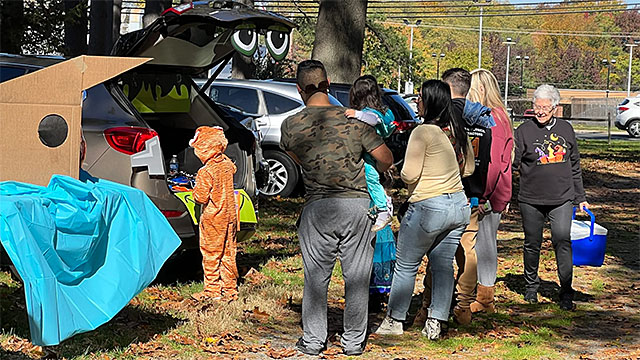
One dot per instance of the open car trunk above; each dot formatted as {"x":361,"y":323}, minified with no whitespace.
{"x":175,"y":109}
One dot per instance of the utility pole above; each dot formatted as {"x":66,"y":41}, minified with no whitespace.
{"x":608,"y":63}
{"x":409,"y":85}
{"x":631,"y":46}
{"x":480,"y":35}
{"x":509,"y":42}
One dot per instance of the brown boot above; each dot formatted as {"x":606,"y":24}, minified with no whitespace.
{"x":462,"y":315}
{"x":422,"y":314}
{"x":484,"y":300}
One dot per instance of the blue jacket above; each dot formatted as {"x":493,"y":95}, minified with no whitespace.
{"x":477,"y":114}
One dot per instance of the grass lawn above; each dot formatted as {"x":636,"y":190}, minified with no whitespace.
{"x":163,"y":322}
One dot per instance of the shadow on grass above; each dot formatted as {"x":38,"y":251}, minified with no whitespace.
{"x":548,"y":289}
{"x":130,"y":325}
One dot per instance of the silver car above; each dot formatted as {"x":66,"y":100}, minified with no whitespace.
{"x":270,"y":102}
{"x":628,"y":116}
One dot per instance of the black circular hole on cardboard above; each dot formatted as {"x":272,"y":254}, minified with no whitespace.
{"x":53,"y":130}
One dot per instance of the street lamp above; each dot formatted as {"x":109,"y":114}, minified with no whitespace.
{"x":522,"y":60}
{"x":631,"y":46}
{"x":435,"y":56}
{"x":608,"y":63}
{"x":509,"y":42}
{"x":409,"y":86}
{"x":480,"y":35}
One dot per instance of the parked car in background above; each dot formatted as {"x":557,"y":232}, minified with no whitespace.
{"x":406,"y":118}
{"x":628,"y":116}
{"x":270,"y":102}
{"x":412,"y":100}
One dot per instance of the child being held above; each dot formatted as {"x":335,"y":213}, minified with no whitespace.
{"x":218,"y":222}
{"x":366,"y":97}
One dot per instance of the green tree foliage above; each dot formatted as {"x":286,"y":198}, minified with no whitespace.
{"x":43,"y":33}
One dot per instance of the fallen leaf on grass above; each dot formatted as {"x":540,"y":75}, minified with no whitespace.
{"x":281,"y":353}
{"x":16,"y":344}
{"x":181,"y":339}
{"x":255,"y":277}
{"x":256,"y":314}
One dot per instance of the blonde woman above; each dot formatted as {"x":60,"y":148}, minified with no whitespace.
{"x":497,"y":194}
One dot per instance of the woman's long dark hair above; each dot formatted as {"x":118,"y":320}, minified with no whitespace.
{"x":365,"y":92}
{"x":437,"y":109}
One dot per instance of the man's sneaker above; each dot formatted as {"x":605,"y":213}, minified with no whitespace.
{"x":390,"y":327}
{"x":300,"y":345}
{"x":531,"y":297}
{"x":567,"y":304}
{"x":383,"y":219}
{"x":432,"y":329}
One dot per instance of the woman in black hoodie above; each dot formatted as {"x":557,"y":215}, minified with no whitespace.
{"x":550,"y":186}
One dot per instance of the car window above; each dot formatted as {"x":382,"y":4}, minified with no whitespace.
{"x":398,"y":106}
{"x":343,"y":97}
{"x":277,"y":104}
{"x":10,"y":72}
{"x":238,"y":97}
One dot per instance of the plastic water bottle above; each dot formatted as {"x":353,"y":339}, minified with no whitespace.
{"x":174,"y":165}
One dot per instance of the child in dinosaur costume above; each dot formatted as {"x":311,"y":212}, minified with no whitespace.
{"x":218,"y":222}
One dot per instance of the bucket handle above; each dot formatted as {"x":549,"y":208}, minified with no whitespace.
{"x":593,"y":220}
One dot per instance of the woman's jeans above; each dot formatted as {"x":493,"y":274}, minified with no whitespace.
{"x":433,"y":227}
{"x":533,"y":217}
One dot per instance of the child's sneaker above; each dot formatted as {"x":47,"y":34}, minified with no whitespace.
{"x":383,"y":219}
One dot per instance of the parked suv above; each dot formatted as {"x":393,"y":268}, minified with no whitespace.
{"x":270,"y":102}
{"x":134,"y":123}
{"x":628,"y":117}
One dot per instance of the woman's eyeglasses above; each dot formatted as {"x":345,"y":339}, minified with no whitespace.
{"x":543,"y":108}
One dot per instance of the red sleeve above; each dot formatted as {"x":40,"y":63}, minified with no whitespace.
{"x":498,"y":189}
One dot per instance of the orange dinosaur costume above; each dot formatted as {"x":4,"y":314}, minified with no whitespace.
{"x":218,"y":222}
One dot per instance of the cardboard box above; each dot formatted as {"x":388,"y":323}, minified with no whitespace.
{"x":41,"y":117}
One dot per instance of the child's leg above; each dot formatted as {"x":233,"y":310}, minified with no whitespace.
{"x":376,"y":190}
{"x":229,"y":269}
{"x":212,"y":248}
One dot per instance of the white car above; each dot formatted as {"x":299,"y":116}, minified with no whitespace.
{"x":270,"y":102}
{"x":412,"y":100}
{"x":628,"y":116}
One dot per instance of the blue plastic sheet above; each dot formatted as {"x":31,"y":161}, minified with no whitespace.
{"x":83,"y":250}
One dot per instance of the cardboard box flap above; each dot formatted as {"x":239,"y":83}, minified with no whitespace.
{"x":41,"y":117}
{"x":62,"y":83}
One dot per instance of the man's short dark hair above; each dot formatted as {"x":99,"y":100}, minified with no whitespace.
{"x":311,"y":76}
{"x":459,"y":79}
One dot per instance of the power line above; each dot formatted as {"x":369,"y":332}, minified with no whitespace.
{"x":392,"y":11}
{"x":538,"y":13}
{"x":394,"y":6}
{"x":517,"y":31}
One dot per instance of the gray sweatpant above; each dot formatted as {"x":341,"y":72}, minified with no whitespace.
{"x":487,"y":248}
{"x":329,"y":229}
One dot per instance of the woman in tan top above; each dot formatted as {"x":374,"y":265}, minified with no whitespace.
{"x":438,"y":211}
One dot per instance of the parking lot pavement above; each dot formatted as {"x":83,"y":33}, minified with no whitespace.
{"x":602,"y":135}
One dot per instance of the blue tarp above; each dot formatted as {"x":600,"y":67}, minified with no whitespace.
{"x":83,"y":250}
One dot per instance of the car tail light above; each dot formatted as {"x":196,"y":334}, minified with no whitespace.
{"x":181,"y":9}
{"x":128,"y":140}
{"x":172,"y":213}
{"x":622,"y":108}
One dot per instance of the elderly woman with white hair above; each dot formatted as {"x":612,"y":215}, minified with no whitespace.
{"x":550,"y":186}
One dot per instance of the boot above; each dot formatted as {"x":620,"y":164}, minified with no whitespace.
{"x":462,"y":315}
{"x":422,"y":314}
{"x":484,"y":300}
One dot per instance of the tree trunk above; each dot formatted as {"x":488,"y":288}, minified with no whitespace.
{"x":243,"y":66}
{"x":11,"y":26}
{"x":75,"y":27}
{"x":105,"y":25}
{"x":153,"y":9}
{"x":340,"y":38}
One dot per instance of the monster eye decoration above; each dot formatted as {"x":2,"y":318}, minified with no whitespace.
{"x":277,"y":40}
{"x":245,"y":39}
